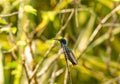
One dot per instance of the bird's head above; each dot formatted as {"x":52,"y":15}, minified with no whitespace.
{"x":63,"y":41}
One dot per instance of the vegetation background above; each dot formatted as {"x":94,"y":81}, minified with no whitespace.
{"x":30,"y":55}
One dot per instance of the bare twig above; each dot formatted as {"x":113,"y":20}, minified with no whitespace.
{"x":78,"y":9}
{"x":14,"y":55}
{"x":52,"y":46}
{"x":102,"y":22}
{"x":118,"y":62}
{"x":28,"y":39}
{"x":46,"y":67}
{"x":10,"y":50}
{"x":98,"y":28}
{"x":68,"y":74}
{"x":76,"y":4}
{"x":76,"y":17}
{"x":60,"y":71}
{"x":29,"y":42}
{"x":109,"y":49}
{"x":8,"y":15}
{"x":113,"y":80}
{"x":93,"y":71}
{"x":26,"y":70}
{"x":104,"y":37}
{"x":111,"y":25}
{"x":53,"y":76}
{"x":64,"y":26}
{"x":110,"y":33}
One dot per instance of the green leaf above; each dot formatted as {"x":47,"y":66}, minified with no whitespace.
{"x":30,"y":9}
{"x":11,"y":65}
{"x":49,"y":15}
{"x":3,"y":21}
{"x":14,"y":30}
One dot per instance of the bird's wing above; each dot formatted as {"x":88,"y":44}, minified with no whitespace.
{"x":70,"y":55}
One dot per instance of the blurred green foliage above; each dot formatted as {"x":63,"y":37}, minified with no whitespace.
{"x":40,"y":21}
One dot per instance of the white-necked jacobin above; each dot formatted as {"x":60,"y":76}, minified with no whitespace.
{"x":67,"y":52}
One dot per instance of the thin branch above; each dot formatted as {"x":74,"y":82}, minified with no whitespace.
{"x":14,"y":55}
{"x":77,"y":10}
{"x":113,"y":80}
{"x":29,"y":42}
{"x":12,"y":40}
{"x":68,"y":74}
{"x":109,"y":49}
{"x":76,"y":17}
{"x":47,"y":67}
{"x":25,"y":28}
{"x":10,"y":50}
{"x":8,"y":15}
{"x":52,"y":46}
{"x":93,"y":71}
{"x":60,"y":71}
{"x":53,"y":76}
{"x":102,"y":38}
{"x":118,"y":62}
{"x":98,"y":28}
{"x":102,"y":22}
{"x":111,"y":25}
{"x":26,"y":70}
{"x":65,"y":25}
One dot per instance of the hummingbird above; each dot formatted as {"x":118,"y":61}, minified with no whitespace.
{"x":67,"y":52}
